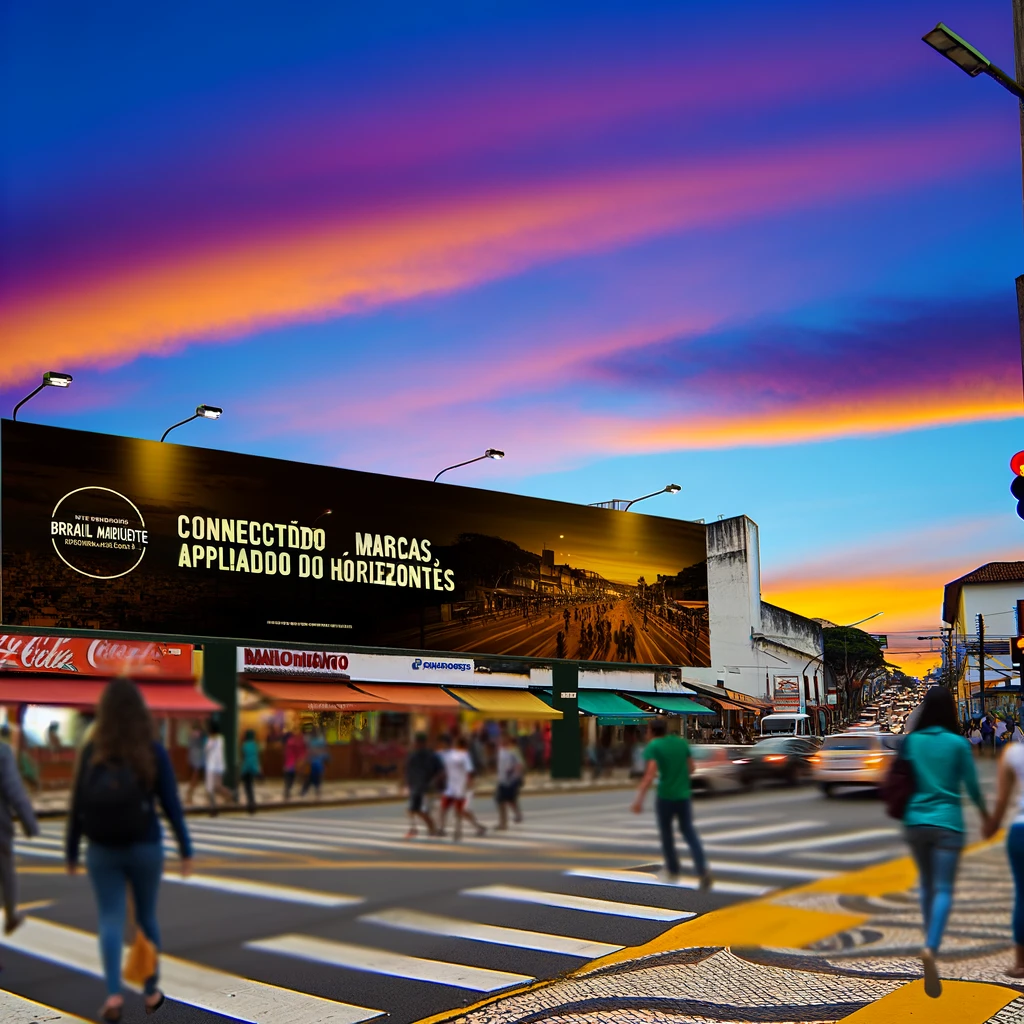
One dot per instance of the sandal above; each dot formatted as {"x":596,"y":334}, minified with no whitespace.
{"x":152,"y":1008}
{"x":112,"y":1014}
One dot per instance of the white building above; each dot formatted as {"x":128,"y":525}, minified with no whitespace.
{"x":994,"y":592}
{"x":757,"y":649}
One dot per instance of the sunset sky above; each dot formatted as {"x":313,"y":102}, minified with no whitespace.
{"x":764,"y":253}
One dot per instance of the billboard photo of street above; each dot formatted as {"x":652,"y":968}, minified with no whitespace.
{"x":519,"y":603}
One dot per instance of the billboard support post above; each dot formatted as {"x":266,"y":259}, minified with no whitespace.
{"x":566,"y":749}
{"x":220,"y":683}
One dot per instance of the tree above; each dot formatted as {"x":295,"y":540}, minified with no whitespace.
{"x":854,"y":657}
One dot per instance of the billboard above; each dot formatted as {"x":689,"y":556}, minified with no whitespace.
{"x":103,"y":532}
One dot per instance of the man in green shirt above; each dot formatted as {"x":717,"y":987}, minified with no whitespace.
{"x":668,"y":760}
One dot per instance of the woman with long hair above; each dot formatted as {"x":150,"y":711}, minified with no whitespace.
{"x":933,"y":820}
{"x":122,"y":773}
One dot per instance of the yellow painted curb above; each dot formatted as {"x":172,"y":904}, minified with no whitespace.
{"x":961,"y":1002}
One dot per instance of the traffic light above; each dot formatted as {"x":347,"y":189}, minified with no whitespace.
{"x":1017,"y":487}
{"x":1017,"y":652}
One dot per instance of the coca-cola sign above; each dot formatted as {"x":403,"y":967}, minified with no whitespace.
{"x":78,"y":655}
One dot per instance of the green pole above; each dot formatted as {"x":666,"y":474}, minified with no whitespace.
{"x":220,"y":683}
{"x":566,"y":752}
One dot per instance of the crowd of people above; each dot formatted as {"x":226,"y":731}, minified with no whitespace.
{"x":989,"y":733}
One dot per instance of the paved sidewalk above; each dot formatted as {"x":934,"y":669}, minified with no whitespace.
{"x":270,"y":794}
{"x":842,"y":949}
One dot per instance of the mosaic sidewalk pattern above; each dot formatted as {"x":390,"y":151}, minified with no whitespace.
{"x":863,"y":972}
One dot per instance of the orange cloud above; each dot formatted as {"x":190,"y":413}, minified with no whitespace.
{"x":231,"y":287}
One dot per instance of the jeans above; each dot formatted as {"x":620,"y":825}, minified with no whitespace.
{"x":314,"y":778}
{"x":248,"y":778}
{"x":1015,"y":851}
{"x":668,"y":812}
{"x":289,"y":781}
{"x":937,"y":853}
{"x":111,"y":870}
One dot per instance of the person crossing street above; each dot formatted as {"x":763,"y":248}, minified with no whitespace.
{"x":669,"y":761}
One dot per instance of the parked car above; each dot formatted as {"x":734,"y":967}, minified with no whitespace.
{"x":715,"y":767}
{"x":781,"y":759}
{"x":854,"y":758}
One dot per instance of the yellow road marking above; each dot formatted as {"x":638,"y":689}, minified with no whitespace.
{"x":34,"y":905}
{"x":760,"y":923}
{"x":877,"y":880}
{"x":961,"y":1002}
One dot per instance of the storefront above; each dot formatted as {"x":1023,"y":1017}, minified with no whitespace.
{"x":50,"y":686}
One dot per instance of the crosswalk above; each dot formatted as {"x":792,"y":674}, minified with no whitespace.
{"x":594,"y":888}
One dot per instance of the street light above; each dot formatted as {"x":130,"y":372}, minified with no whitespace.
{"x":326,"y":512}
{"x":622,"y":505}
{"x":944,"y":40}
{"x":51,"y":379}
{"x":203,"y":412}
{"x":491,"y":453}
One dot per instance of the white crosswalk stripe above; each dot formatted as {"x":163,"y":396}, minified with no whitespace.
{"x":207,"y":989}
{"x":564,"y":901}
{"x":16,"y":1010}
{"x":396,"y":965}
{"x":452,"y":928}
{"x":266,"y":890}
{"x":682,"y":882}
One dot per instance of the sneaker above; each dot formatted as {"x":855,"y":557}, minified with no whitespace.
{"x":706,"y":882}
{"x":11,"y":924}
{"x":932,"y":982}
{"x":481,"y":832}
{"x":411,"y":834}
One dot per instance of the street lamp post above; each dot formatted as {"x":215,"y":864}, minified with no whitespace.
{"x":51,"y":379}
{"x":203,"y":412}
{"x":491,"y":453}
{"x":624,"y":505}
{"x":956,"y":49}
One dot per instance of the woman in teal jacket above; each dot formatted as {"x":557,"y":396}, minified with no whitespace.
{"x":933,"y":820}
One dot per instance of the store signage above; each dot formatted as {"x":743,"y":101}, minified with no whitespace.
{"x":788,"y":694}
{"x":81,"y":656}
{"x":121,"y":534}
{"x":282,"y":662}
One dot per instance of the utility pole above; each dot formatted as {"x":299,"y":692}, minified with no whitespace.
{"x":1018,"y":56}
{"x":981,"y":661}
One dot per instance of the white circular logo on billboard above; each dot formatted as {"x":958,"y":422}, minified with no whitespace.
{"x":98,"y":532}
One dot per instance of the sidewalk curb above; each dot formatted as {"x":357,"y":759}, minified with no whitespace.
{"x":203,"y":810}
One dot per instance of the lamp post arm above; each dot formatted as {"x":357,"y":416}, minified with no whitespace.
{"x":14,"y":415}
{"x":1008,"y":82}
{"x":644,"y":497}
{"x":457,"y":465}
{"x":174,"y":426}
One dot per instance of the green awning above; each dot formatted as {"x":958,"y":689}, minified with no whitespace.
{"x":639,"y":718}
{"x":673,"y":703}
{"x":604,"y":703}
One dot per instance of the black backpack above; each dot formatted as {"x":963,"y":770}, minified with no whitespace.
{"x":114,"y":807}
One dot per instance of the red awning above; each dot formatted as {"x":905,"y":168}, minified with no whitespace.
{"x":411,"y":696}
{"x":318,"y":696}
{"x":167,"y":698}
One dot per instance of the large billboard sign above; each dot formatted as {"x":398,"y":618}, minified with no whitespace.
{"x":114,"y":533}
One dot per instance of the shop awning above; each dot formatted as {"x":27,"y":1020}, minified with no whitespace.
{"x":168,"y":698}
{"x":318,"y":696}
{"x":673,"y":703}
{"x":410,"y":696}
{"x":728,"y":705}
{"x":605,"y":704}
{"x":499,"y":703}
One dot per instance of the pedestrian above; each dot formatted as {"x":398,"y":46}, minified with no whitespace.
{"x":316,"y":758}
{"x":423,"y":770}
{"x":251,"y":769}
{"x":669,"y":760}
{"x":196,"y":760}
{"x":1009,"y":778}
{"x":988,"y":733}
{"x":458,"y":786}
{"x":293,"y":755}
{"x":511,"y":770}
{"x":213,"y":763}
{"x":14,"y":803}
{"x":974,"y":736}
{"x":122,"y":772}
{"x":1018,"y":733}
{"x":933,"y":820}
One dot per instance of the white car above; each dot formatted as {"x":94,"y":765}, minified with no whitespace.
{"x":854,"y":758}
{"x":715,"y":767}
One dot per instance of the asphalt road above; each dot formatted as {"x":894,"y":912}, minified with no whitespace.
{"x":334,"y":903}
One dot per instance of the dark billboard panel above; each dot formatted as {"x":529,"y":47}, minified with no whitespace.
{"x":103,"y":532}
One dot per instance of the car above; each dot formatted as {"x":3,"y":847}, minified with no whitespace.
{"x":781,"y":759}
{"x":715,"y":767}
{"x":859,"y":759}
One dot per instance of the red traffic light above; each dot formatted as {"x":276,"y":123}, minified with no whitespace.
{"x":1017,"y":464}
